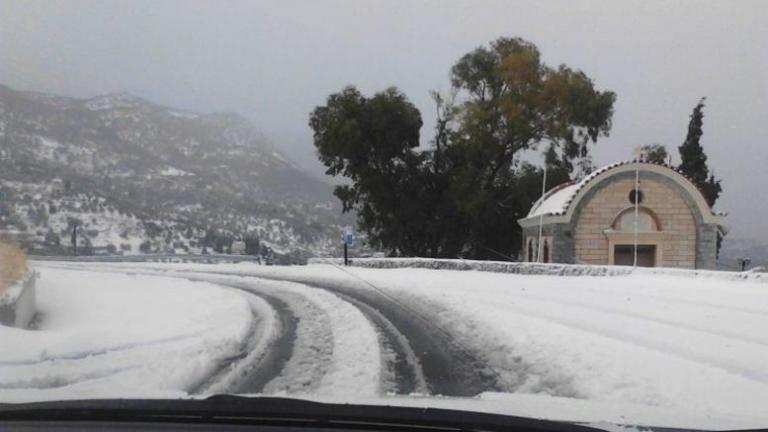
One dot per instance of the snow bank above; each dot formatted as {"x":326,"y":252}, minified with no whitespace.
{"x":112,"y":335}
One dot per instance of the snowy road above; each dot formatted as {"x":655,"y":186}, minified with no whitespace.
{"x":672,"y":350}
{"x":422,"y":357}
{"x":417,"y":356}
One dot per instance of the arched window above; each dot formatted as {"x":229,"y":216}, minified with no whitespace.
{"x":530,"y":250}
{"x":646,"y":220}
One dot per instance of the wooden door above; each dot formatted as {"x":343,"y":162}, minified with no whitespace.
{"x":624,"y":255}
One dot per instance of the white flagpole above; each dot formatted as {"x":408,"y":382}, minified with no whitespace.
{"x":637,"y":208}
{"x":541,"y":216}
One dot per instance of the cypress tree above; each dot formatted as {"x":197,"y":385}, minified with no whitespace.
{"x":693,"y":160}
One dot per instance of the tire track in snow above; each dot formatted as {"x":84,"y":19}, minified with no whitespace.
{"x":448,"y":369}
{"x":404,"y":372}
{"x":264,"y":356}
{"x":294,"y":360}
{"x":401,"y":372}
{"x":312,"y":351}
{"x":330,"y":354}
{"x":277,"y":355}
{"x":357,"y":360}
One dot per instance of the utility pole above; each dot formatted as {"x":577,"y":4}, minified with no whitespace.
{"x":541,"y":216}
{"x":637,"y":210}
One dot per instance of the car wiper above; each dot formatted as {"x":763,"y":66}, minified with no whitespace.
{"x":269,"y":411}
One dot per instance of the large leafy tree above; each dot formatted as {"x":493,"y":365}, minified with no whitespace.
{"x":372,"y":143}
{"x":514,"y":102}
{"x":463,"y":195}
{"x":512,"y":105}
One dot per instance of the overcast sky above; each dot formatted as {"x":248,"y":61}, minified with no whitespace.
{"x":275,"y":61}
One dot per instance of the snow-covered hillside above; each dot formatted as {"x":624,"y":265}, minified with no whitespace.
{"x":172,"y":176}
{"x":42,"y":216}
{"x":671,"y":350}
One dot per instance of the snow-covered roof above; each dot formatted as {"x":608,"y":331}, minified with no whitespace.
{"x":557,"y":200}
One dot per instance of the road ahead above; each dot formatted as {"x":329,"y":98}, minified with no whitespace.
{"x":420,"y":357}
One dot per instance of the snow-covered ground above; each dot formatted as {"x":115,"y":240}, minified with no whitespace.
{"x":654,"y":349}
{"x":110,"y":334}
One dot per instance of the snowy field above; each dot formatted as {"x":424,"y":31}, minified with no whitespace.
{"x":654,"y":349}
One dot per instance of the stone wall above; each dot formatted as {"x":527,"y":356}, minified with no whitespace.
{"x":539,"y":269}
{"x":706,"y":252}
{"x":562,"y":245}
{"x":677,"y":247}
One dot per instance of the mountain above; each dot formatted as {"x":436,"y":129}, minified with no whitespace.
{"x":140,"y":177}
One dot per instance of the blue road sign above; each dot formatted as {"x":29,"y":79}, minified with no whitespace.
{"x":347,"y":238}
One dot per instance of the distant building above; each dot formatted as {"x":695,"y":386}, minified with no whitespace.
{"x":593,"y":221}
{"x":238,"y":247}
{"x":57,"y":185}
